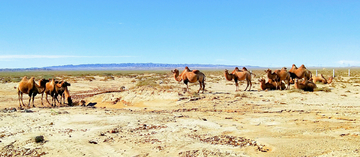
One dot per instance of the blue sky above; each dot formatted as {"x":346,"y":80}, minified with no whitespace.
{"x":259,"y":33}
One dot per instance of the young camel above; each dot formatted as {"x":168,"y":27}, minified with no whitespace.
{"x":269,"y":85}
{"x":306,"y":85}
{"x":239,"y":75}
{"x":299,"y":73}
{"x":190,"y":76}
{"x":273,"y":77}
{"x":62,"y":90}
{"x":28,"y":86}
{"x":322,"y":79}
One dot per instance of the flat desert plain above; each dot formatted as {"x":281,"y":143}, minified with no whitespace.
{"x":153,"y":116}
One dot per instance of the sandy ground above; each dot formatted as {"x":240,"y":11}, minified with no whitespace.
{"x":165,"y":121}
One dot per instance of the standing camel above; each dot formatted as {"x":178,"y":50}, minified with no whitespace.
{"x":190,"y":76}
{"x":239,"y":75}
{"x":299,"y":73}
{"x":62,"y":90}
{"x":28,"y":86}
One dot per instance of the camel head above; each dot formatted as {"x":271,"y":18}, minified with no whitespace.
{"x":284,"y":68}
{"x":175,"y":71}
{"x":330,"y":80}
{"x":262,"y":80}
{"x":268,"y":71}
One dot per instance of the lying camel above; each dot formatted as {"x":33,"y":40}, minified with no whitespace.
{"x":306,"y":85}
{"x":190,"y":76}
{"x":322,"y":79}
{"x":28,"y":86}
{"x":62,"y":90}
{"x":239,"y":75}
{"x":269,"y":85}
{"x":299,"y":73}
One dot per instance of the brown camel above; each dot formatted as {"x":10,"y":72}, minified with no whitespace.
{"x":299,"y":73}
{"x":305,"y":85}
{"x":322,"y":79}
{"x":28,"y":86}
{"x":283,"y":75}
{"x":190,"y":76}
{"x":50,"y":90}
{"x":62,"y":90}
{"x":269,"y":85}
{"x":273,"y":77}
{"x":237,"y":75}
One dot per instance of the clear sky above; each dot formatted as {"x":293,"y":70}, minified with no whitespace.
{"x":268,"y":33}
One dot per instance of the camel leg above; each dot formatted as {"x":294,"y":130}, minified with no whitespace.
{"x":250,"y":85}
{"x":20,"y":96}
{"x":288,"y":84}
{"x":46,"y":97}
{"x":29,"y":100}
{"x":236,"y":84}
{"x":203,"y":83}
{"x":247,"y":84}
{"x":33,"y":97}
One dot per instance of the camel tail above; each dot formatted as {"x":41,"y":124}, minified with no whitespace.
{"x":252,"y":74}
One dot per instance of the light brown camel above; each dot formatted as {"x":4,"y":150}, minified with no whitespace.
{"x":239,"y":75}
{"x":306,"y":85}
{"x":50,"y":90}
{"x":299,"y":73}
{"x":28,"y":86}
{"x":283,"y":75}
{"x":61,"y":88}
{"x":190,"y":76}
{"x":322,"y":79}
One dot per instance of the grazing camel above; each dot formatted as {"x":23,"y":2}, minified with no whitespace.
{"x":239,"y":75}
{"x":62,"y":90}
{"x":299,"y":73}
{"x":190,"y":76}
{"x":322,"y":79}
{"x":270,"y":85}
{"x":306,"y":85}
{"x":28,"y":86}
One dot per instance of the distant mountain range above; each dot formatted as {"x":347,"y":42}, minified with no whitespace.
{"x":129,"y":66}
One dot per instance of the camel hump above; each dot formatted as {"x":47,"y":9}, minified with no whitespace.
{"x":302,"y":66}
{"x":244,"y":69}
{"x":195,"y":71}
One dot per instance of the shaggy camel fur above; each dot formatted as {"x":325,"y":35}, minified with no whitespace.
{"x":62,"y":90}
{"x":190,"y":76}
{"x":269,"y":85}
{"x":299,"y":73}
{"x":306,"y":85}
{"x":322,"y":79}
{"x":239,"y":75}
{"x":28,"y":86}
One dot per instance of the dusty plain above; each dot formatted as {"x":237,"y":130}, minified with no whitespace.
{"x":155,"y":117}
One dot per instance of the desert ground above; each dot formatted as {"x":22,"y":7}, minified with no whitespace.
{"x":154,"y":116}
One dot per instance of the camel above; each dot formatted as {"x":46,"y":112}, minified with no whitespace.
{"x":283,"y":75}
{"x":269,"y":85}
{"x":299,"y":73}
{"x":50,"y":90}
{"x":322,"y":79}
{"x":273,"y":77}
{"x":190,"y":76}
{"x":62,"y":90}
{"x":239,"y":75}
{"x":306,"y":85}
{"x":28,"y":86}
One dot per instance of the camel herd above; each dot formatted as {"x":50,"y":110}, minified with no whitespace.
{"x":276,"y":80}
{"x":49,"y":87}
